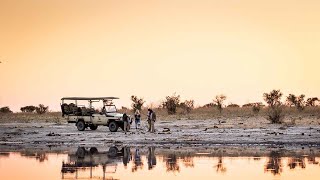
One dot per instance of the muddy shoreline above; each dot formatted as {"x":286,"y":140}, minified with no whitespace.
{"x":183,"y":133}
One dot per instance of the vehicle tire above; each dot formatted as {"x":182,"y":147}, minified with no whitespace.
{"x":93,"y":150}
{"x":81,"y":125}
{"x":81,"y":152}
{"x":113,"y":126}
{"x":93,"y":127}
{"x":113,"y":151}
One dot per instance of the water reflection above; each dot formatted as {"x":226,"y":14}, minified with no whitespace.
{"x":88,"y":159}
{"x":172,"y":163}
{"x":294,"y":162}
{"x":137,"y":162}
{"x":220,"y":167}
{"x":187,"y":160}
{"x":152,"y":161}
{"x":40,"y":156}
{"x":117,"y":161}
{"x":274,"y":164}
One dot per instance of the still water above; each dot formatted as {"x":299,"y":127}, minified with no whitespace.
{"x":154,"y":163}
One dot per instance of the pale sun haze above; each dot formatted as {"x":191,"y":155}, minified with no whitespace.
{"x":153,"y":48}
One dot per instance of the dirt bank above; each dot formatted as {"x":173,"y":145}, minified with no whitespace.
{"x":204,"y":133}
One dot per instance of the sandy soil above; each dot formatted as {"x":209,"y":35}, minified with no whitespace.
{"x":203,"y":133}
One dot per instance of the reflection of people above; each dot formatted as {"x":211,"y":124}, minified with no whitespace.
{"x":151,"y":120}
{"x":137,"y":161}
{"x":152,"y":161}
{"x":126,"y":156}
{"x":137,"y":118}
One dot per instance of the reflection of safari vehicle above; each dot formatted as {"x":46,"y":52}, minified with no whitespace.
{"x":85,"y":117}
{"x":85,"y":159}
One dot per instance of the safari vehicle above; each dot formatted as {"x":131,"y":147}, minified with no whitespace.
{"x":89,"y":117}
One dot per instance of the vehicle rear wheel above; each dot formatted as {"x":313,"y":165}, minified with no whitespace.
{"x":113,"y":151}
{"x":93,"y":127}
{"x":93,"y":150}
{"x":81,"y":125}
{"x":81,"y":152}
{"x":113,"y":126}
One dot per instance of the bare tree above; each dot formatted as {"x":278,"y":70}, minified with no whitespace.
{"x":137,"y":103}
{"x":219,"y":100}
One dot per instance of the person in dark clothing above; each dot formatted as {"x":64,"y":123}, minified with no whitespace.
{"x":125,"y":118}
{"x":151,"y":120}
{"x":137,"y":118}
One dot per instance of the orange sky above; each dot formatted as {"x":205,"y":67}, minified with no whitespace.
{"x":242,"y":48}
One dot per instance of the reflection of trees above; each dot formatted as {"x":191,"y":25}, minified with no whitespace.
{"x":188,"y":161}
{"x":312,"y":158}
{"x":294,"y":162}
{"x":220,"y":166}
{"x":41,"y":157}
{"x":274,"y":163}
{"x":172,"y":163}
{"x":137,"y":162}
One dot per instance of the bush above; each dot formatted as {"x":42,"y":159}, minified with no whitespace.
{"x":41,"y":109}
{"x":218,"y":101}
{"x":256,"y":107}
{"x":233,"y":105}
{"x":28,"y":109}
{"x":5,"y":109}
{"x":187,"y":106}
{"x":312,"y":101}
{"x":275,"y":113}
{"x":297,"y":101}
{"x":171,"y":103}
{"x":137,"y":103}
{"x":209,"y":105}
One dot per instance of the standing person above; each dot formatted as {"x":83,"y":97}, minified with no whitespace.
{"x":151,"y":120}
{"x":137,"y":118}
{"x":125,"y":119}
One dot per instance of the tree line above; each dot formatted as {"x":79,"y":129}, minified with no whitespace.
{"x":272,"y":99}
{"x":40,"y":109}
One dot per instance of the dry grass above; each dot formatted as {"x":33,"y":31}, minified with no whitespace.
{"x":54,"y":117}
{"x":292,"y":115}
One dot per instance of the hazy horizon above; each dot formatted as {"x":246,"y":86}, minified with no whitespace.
{"x":198,"y":49}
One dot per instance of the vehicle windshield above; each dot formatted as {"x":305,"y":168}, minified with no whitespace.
{"x":111,"y":108}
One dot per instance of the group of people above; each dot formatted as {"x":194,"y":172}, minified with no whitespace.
{"x":151,"y":119}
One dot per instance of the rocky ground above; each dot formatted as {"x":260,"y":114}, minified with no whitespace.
{"x":195,"y":133}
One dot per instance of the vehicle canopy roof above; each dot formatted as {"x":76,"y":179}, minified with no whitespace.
{"x":88,"y":98}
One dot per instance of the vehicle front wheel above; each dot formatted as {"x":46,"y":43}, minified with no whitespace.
{"x":93,"y":127}
{"x":81,"y":125}
{"x":113,"y":126}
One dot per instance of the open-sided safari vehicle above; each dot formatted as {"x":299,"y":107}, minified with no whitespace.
{"x":85,"y":117}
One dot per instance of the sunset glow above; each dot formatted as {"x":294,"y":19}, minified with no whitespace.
{"x":198,"y":49}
